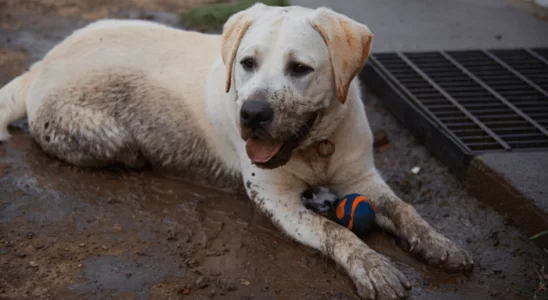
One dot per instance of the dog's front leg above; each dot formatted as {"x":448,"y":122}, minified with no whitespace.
{"x":277,"y":195}
{"x":401,"y":219}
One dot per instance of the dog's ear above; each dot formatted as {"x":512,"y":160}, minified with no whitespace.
{"x":348,"y":42}
{"x":233,"y":32}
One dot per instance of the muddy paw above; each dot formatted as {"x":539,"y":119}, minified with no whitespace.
{"x":376,"y":278}
{"x":440,"y":251}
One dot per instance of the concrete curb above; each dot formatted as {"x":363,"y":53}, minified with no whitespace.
{"x":515,"y":185}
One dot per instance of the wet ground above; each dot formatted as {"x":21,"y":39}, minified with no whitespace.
{"x":69,"y":233}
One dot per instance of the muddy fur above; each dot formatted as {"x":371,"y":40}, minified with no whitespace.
{"x":434,"y":248}
{"x":366,"y":263}
{"x":121,"y":117}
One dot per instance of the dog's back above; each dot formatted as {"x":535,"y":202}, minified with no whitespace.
{"x":167,"y":55}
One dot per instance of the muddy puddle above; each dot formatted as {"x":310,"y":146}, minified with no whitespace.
{"x":69,"y":233}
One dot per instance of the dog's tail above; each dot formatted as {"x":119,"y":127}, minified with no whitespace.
{"x":13,"y":100}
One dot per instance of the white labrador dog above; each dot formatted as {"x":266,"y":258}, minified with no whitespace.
{"x":277,"y":108}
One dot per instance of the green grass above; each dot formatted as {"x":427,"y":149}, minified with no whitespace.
{"x":213,"y":16}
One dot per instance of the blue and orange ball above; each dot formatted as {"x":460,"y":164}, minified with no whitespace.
{"x":355,"y":212}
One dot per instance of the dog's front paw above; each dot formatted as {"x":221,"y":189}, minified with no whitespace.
{"x":376,"y":278}
{"x":438,"y":250}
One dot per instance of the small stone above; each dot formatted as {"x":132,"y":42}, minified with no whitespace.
{"x":82,"y":244}
{"x":466,"y":223}
{"x":191,"y":262}
{"x":80,"y":265}
{"x":415,"y":170}
{"x":186,"y":291}
{"x":171,"y":236}
{"x":33,"y":264}
{"x":104,"y":247}
{"x":200,"y":283}
{"x":21,"y":254}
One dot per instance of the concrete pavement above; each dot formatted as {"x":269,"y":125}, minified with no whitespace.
{"x":406,"y":25}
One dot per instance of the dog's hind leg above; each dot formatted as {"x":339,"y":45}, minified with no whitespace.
{"x":78,"y":129}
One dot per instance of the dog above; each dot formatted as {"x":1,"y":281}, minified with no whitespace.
{"x":273,"y":103}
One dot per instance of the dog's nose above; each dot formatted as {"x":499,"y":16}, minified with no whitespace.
{"x":256,"y":114}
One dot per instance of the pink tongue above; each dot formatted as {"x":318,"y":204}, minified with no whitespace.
{"x":260,"y":151}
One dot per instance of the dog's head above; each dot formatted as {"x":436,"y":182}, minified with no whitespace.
{"x":290,"y":69}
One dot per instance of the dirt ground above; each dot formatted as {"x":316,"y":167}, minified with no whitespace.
{"x":68,"y":233}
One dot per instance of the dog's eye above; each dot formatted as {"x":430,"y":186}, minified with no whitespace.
{"x":299,"y":70}
{"x":248,"y":63}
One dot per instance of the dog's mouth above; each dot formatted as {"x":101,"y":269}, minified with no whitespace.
{"x":267,"y":153}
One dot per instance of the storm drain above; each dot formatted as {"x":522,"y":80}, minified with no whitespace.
{"x":465,"y":103}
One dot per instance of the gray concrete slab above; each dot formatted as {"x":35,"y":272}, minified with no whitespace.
{"x":515,"y":184}
{"x":408,"y":25}
{"x":528,"y":170}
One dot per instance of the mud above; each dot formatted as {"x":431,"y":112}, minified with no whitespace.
{"x":69,"y":233}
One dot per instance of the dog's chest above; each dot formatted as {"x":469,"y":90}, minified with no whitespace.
{"x":312,"y":167}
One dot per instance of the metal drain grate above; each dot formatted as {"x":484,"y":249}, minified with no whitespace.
{"x":467,"y":102}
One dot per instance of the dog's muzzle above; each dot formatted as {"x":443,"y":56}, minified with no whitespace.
{"x":268,"y":153}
